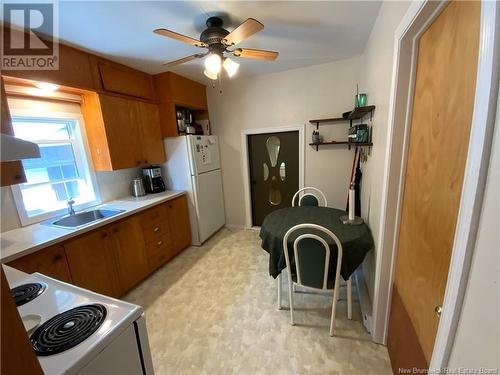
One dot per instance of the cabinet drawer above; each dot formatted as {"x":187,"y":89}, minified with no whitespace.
{"x":159,"y":252}
{"x":154,"y":232}
{"x":155,"y":216}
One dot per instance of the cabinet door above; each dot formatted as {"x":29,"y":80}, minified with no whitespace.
{"x":92,"y":263}
{"x":148,"y":122}
{"x":178,"y":218}
{"x":122,"y":131}
{"x":50,"y":261}
{"x":12,"y":172}
{"x":130,"y":253}
{"x":124,"y":80}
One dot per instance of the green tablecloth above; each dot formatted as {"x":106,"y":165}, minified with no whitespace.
{"x":356,"y":239}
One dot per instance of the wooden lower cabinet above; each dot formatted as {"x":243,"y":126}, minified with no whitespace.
{"x":130,"y":255}
{"x":159,"y":251}
{"x":113,"y":259}
{"x":178,"y":219}
{"x":92,"y":263}
{"x":51,"y":261}
{"x":166,"y":231}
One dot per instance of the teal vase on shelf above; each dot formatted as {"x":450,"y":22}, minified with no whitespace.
{"x":360,"y":100}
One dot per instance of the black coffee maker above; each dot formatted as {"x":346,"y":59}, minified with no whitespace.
{"x":153,"y":182}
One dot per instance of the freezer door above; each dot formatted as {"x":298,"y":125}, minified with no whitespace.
{"x":209,"y":203}
{"x":204,"y":153}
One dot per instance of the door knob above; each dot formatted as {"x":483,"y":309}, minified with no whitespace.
{"x":438,"y":309}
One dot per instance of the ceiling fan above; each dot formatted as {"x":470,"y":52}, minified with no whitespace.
{"x":219,"y":41}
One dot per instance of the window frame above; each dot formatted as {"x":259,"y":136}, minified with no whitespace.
{"x":24,"y":108}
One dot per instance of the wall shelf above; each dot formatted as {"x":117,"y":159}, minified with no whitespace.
{"x":347,"y":143}
{"x":356,"y":114}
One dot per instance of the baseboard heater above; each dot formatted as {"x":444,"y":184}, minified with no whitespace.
{"x":364,"y":299}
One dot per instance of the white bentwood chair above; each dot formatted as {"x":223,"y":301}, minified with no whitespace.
{"x":306,"y":197}
{"x":312,"y":258}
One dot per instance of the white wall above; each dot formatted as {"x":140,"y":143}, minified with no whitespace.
{"x":283,"y":99}
{"x":477,"y":340}
{"x":377,"y":62}
{"x":112,"y":185}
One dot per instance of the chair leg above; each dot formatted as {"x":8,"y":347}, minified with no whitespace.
{"x":334,"y":308}
{"x":349,"y":299}
{"x":290,"y":296}
{"x":278,"y":284}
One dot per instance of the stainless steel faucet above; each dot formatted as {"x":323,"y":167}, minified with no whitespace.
{"x":70,"y":203}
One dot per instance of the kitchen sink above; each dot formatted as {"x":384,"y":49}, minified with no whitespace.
{"x":83,"y":218}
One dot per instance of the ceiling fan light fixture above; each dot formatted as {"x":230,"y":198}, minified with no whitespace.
{"x":230,"y":66}
{"x":213,"y":63}
{"x":212,"y":76}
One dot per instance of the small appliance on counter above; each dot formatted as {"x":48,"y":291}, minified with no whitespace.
{"x":152,"y":179}
{"x":138,"y":189}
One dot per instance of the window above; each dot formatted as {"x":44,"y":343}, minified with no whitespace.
{"x":63,"y":170}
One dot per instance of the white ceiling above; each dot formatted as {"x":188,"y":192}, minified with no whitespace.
{"x":304,"y":33}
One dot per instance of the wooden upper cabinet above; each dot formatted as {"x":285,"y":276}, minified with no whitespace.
{"x":171,"y":90}
{"x":180,"y":90}
{"x":74,"y":70}
{"x":91,"y":260}
{"x":12,"y":172}
{"x":122,"y":133}
{"x":130,"y":253}
{"x":50,"y":261}
{"x":148,"y":122}
{"x":120,"y":79}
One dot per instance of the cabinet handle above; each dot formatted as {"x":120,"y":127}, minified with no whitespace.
{"x":156,"y":229}
{"x":104,"y":235}
{"x":138,"y":162}
{"x":17,"y":177}
{"x":115,"y":230}
{"x":169,"y":206}
{"x":58,"y":257}
{"x":145,"y":161}
{"x":159,"y":243}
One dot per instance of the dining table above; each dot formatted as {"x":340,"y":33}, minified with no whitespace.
{"x":356,"y":240}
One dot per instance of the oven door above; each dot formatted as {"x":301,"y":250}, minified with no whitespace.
{"x":128,"y":354}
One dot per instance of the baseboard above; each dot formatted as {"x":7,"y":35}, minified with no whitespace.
{"x":364,"y":299}
{"x":235,"y":226}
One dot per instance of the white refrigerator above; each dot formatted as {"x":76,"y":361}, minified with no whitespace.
{"x":193,"y":164}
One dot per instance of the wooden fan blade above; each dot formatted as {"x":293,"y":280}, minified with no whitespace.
{"x":243,"y":31}
{"x":184,"y":59}
{"x":259,"y":54}
{"x":177,"y":36}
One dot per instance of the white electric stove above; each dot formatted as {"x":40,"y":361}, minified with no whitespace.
{"x":80,"y":332}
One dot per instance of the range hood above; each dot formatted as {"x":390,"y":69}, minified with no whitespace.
{"x":13,"y":148}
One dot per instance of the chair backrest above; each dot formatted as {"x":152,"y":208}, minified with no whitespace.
{"x":306,"y":197}
{"x":312,"y":256}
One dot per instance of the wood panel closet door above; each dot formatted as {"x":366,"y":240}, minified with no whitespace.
{"x":439,"y":137}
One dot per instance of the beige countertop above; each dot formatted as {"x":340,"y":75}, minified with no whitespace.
{"x":26,"y":240}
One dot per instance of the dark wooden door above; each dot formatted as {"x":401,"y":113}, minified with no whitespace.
{"x":440,"y":129}
{"x":274,"y":172}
